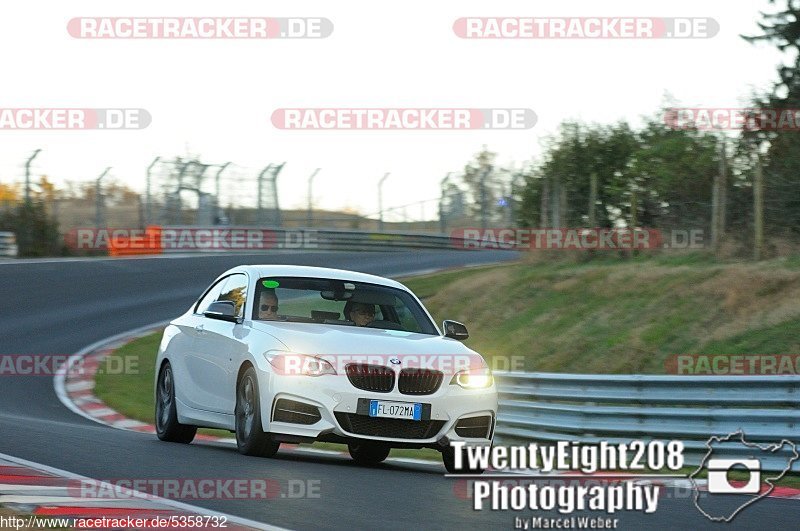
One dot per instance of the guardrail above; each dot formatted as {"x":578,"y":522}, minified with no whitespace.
{"x":177,"y":239}
{"x":545,"y":408}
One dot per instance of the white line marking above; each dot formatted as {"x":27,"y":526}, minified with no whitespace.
{"x":129,"y":423}
{"x":65,"y":500}
{"x":102,"y":412}
{"x":80,"y":385}
{"x":6,"y":487}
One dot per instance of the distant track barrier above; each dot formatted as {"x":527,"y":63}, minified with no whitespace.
{"x":220,"y":239}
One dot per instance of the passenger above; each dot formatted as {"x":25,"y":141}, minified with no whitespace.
{"x":360,"y":313}
{"x":268,"y":305}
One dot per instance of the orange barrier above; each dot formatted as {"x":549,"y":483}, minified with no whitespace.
{"x":127,"y":246}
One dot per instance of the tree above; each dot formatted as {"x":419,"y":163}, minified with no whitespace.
{"x":482,"y":189}
{"x":37,"y":232}
{"x":673,"y":173}
{"x":563,"y":176}
{"x":782,"y":169}
{"x":9,"y":193}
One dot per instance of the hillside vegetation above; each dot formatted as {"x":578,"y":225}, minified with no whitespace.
{"x":608,"y":316}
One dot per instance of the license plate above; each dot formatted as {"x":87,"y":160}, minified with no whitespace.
{"x":395,"y":410}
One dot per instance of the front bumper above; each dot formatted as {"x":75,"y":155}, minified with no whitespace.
{"x":341,"y":417}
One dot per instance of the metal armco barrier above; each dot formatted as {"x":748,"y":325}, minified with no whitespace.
{"x":177,"y":239}
{"x":546,"y":408}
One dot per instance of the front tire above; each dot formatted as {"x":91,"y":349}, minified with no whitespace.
{"x":250,"y":438}
{"x":368,"y":454}
{"x":167,"y":426}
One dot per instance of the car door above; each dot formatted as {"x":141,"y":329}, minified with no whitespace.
{"x":219,"y":350}
{"x":184,"y":355}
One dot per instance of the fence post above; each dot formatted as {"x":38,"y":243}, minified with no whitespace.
{"x":278,"y":218}
{"x":380,"y":202}
{"x":545,"y":203}
{"x":260,"y":194}
{"x":28,"y":176}
{"x":310,"y":220}
{"x":98,"y":198}
{"x":718,"y":197}
{"x":715,"y":214}
{"x":442,"y":198}
{"x":148,"y":210}
{"x":592,"y":200}
{"x":723,"y":189}
{"x":483,"y":195}
{"x":217,"y":202}
{"x":758,"y":210}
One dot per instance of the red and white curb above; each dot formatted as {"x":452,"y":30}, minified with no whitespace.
{"x":75,"y":389}
{"x":74,"y":384}
{"x":45,"y":492}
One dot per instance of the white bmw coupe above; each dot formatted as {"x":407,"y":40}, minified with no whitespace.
{"x":300,"y":354}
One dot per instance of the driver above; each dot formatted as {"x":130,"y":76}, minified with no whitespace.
{"x":268,"y":305}
{"x":360,"y":313}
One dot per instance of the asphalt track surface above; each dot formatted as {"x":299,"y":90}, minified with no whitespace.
{"x":59,"y":307}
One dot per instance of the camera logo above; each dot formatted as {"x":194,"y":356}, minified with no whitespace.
{"x":718,"y":476}
{"x":770,"y":462}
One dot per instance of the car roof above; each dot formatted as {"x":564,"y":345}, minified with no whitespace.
{"x":279,"y":270}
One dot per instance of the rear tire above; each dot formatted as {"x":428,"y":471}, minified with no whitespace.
{"x":250,"y":438}
{"x":167,"y":426}
{"x":449,"y":460}
{"x":368,"y":454}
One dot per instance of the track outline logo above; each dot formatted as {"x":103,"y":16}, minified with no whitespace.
{"x":770,"y":481}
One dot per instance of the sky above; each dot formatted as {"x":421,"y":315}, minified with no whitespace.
{"x":214,"y":98}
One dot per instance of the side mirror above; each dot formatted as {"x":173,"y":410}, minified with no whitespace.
{"x":222,"y":310}
{"x":455,"y":330}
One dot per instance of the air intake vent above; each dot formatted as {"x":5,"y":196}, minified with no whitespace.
{"x":295,"y":412}
{"x":389,"y":428}
{"x":475,"y":427}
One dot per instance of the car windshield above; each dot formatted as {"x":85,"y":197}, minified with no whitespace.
{"x":339,"y":303}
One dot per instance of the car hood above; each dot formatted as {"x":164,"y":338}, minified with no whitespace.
{"x":321,"y":339}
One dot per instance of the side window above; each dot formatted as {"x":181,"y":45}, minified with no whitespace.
{"x":235,"y":289}
{"x":209,"y":297}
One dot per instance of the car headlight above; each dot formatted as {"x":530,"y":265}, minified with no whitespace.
{"x":473,"y":378}
{"x":291,"y":364}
